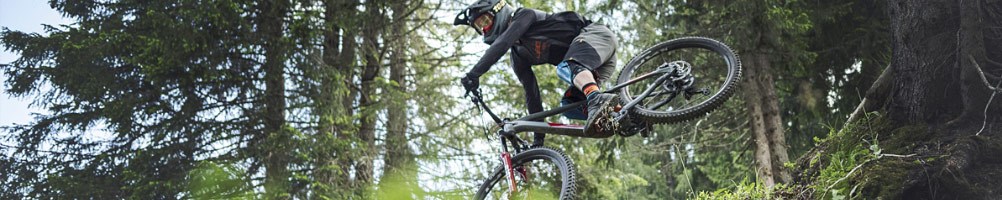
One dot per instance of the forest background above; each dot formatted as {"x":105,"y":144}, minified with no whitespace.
{"x":348,"y":99}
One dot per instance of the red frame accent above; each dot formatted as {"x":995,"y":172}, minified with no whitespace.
{"x":506,"y":158}
{"x":564,"y":125}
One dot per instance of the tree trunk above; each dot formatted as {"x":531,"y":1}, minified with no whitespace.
{"x":938,"y":47}
{"x":346,"y":64}
{"x":366,"y":132}
{"x":918,"y":57}
{"x":326,"y":103}
{"x":971,"y":51}
{"x":773,"y":122}
{"x":400,"y":171}
{"x":937,"y":105}
{"x":334,"y":104}
{"x":373,"y":54}
{"x":766,"y":123}
{"x":271,"y":26}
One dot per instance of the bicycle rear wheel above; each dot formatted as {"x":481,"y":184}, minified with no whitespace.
{"x":541,"y":173}
{"x":715,"y":71}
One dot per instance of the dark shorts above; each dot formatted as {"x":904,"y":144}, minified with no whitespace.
{"x":595,"y":49}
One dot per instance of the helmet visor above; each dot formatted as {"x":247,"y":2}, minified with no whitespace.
{"x":483,"y":23}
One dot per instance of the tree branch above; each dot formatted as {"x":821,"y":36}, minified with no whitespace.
{"x":982,"y":73}
{"x":876,"y":95}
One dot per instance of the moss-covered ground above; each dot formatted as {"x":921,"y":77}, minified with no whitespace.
{"x":876,"y":159}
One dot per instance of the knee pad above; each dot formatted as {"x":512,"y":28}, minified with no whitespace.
{"x":567,"y":69}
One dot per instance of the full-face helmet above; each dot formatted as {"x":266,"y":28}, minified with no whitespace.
{"x":488,"y":17}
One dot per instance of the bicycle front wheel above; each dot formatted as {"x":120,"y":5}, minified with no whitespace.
{"x":539,"y":173}
{"x":713,"y":71}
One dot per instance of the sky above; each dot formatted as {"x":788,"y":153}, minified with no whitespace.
{"x":26,"y":16}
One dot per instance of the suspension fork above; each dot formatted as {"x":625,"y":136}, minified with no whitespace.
{"x":508,"y":168}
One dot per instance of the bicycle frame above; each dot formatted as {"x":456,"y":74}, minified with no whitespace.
{"x":529,"y":123}
{"x":509,"y":128}
{"x":641,"y":108}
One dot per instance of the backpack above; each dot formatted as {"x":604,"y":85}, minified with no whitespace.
{"x":553,"y":30}
{"x":556,"y":25}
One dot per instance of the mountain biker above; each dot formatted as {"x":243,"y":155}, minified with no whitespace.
{"x":584,"y":53}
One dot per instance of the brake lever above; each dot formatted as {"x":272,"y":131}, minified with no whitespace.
{"x":473,"y":95}
{"x":475,"y":98}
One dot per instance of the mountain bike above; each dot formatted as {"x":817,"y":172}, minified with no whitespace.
{"x":702,"y":71}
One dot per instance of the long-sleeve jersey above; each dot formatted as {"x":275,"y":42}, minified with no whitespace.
{"x":533,"y":37}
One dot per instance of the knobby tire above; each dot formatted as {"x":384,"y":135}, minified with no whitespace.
{"x":566,"y":167}
{"x":674,"y":116}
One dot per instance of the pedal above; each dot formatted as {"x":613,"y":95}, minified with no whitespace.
{"x":625,"y":127}
{"x":630,"y":127}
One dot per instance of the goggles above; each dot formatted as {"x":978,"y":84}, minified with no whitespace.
{"x":483,"y":23}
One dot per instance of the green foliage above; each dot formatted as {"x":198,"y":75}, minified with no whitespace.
{"x":401,"y":183}
{"x":745,"y":190}
{"x":212,"y":180}
{"x":843,"y":155}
